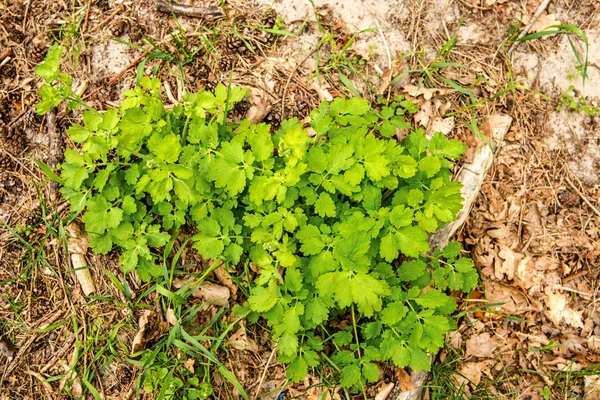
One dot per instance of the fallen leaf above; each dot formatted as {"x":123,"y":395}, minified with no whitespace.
{"x":481,"y":346}
{"x":473,"y":370}
{"x":593,"y":343}
{"x":171,"y":316}
{"x":543,"y":22}
{"x":189,"y":364}
{"x":259,"y":109}
{"x":223,"y":277}
{"x":404,"y":380}
{"x":212,"y":293}
{"x":390,"y":73}
{"x":560,"y":313}
{"x":424,"y":114}
{"x":322,"y":89}
{"x":240,"y":341}
{"x":138,"y":343}
{"x":454,"y":339}
{"x":508,"y":265}
{"x":442,"y":125}
{"x":385,"y":391}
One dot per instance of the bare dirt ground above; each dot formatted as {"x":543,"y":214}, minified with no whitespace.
{"x":532,"y":328}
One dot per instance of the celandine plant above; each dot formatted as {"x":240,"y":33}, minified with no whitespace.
{"x":335,"y":223}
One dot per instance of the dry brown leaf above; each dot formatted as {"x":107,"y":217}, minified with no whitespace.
{"x":212,"y":293}
{"x":189,"y":364}
{"x":509,"y":264}
{"x":390,"y":73}
{"x":424,"y":114}
{"x":543,"y":22}
{"x":322,"y":89}
{"x":404,"y":380}
{"x":481,"y":346}
{"x":560,"y":313}
{"x":138,"y":343}
{"x":473,"y":370}
{"x":225,"y":280}
{"x":240,"y":341}
{"x":259,"y":109}
{"x":512,"y":301}
{"x":171,"y":318}
{"x":454,"y":339}
{"x":442,"y":125}
{"x":592,"y":388}
{"x":593,"y":343}
{"x":385,"y":391}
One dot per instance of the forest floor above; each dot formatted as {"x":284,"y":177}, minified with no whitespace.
{"x":531,"y":330}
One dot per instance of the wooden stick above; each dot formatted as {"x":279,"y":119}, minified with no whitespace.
{"x":189,"y":11}
{"x":471,"y":176}
{"x":537,"y":14}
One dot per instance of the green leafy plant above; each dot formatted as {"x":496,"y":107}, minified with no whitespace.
{"x":335,"y":222}
{"x":574,"y":103}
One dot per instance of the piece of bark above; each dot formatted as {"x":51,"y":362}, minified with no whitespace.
{"x":471,"y":176}
{"x":78,"y":246}
{"x":189,"y":11}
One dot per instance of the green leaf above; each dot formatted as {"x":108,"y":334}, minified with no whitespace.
{"x":433,"y":299}
{"x":101,"y":215}
{"x":411,"y":270}
{"x":342,"y":338}
{"x":166,"y":148}
{"x":325,"y":206}
{"x":395,"y":350}
{"x":50,"y":68}
{"x":419,"y":361}
{"x":440,"y":145}
{"x":463,"y":264}
{"x":367,"y":292}
{"x":406,"y":167}
{"x":78,"y":133}
{"x":393,"y":313}
{"x":370,"y":371}
{"x":263,"y":299}
{"x":297,"y":369}
{"x":310,"y":238}
{"x":356,"y":106}
{"x":316,"y":310}
{"x":412,"y":241}
{"x":209,"y":242}
{"x":350,"y":375}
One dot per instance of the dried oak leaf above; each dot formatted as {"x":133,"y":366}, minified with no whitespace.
{"x":481,"y":346}
{"x":560,"y":313}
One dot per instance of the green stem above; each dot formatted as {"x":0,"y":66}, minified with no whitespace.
{"x":355,"y":331}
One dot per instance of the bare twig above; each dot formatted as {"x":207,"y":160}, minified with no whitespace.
{"x":87,"y":16}
{"x":5,"y":53}
{"x":583,"y":197}
{"x":190,"y":11}
{"x":537,"y":14}
{"x":264,"y":374}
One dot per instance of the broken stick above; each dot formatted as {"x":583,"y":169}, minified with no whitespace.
{"x":471,"y":176}
{"x":189,"y":11}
